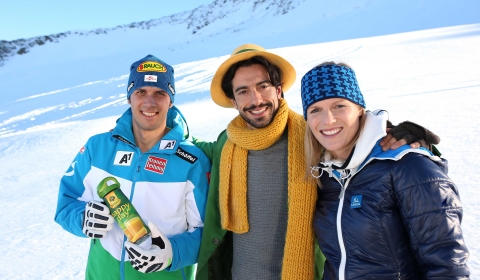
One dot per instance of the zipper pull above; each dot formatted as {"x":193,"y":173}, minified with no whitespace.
{"x":342,"y":192}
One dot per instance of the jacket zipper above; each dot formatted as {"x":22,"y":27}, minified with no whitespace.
{"x":132,"y":190}
{"x":344,"y":184}
{"x":343,"y":260}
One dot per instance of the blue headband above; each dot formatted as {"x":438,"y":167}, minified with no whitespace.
{"x":151,"y":71}
{"x":330,"y":81}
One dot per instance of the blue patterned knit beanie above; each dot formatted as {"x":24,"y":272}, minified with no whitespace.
{"x":330,"y":81}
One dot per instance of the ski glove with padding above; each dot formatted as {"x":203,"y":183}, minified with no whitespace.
{"x":97,"y":220}
{"x":156,"y":258}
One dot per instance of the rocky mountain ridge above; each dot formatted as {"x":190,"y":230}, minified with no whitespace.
{"x":193,"y":20}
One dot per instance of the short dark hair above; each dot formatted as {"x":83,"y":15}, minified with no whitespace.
{"x":274,"y":73}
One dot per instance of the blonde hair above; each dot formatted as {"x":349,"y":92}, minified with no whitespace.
{"x":314,"y":151}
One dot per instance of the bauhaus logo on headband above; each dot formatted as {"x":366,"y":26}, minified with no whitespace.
{"x":151,"y":66}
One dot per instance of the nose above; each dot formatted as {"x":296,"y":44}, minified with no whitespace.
{"x":149,"y":100}
{"x":328,"y":117}
{"x":256,"y":96}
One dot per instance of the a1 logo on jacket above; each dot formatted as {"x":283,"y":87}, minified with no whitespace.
{"x":123,"y":158}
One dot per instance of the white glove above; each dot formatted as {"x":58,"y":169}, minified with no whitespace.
{"x":157,"y":258}
{"x":97,"y":220}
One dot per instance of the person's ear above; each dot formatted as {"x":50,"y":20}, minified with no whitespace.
{"x":279,"y":92}
{"x":234,"y":103}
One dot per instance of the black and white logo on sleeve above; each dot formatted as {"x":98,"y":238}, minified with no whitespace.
{"x":123,"y":158}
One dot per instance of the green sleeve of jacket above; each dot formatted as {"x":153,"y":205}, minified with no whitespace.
{"x":207,"y":147}
{"x":319,"y":262}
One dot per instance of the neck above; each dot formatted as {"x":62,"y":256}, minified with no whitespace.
{"x":342,"y":155}
{"x":146,"y":139}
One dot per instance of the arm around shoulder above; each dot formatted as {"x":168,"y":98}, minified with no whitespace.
{"x":210,"y":148}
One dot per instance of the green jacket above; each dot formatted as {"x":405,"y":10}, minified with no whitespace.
{"x":215,"y":257}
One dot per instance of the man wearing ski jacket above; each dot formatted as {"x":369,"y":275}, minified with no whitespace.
{"x":164,"y":176}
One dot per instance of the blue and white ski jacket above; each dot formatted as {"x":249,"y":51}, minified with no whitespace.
{"x":389,"y":215}
{"x":167,"y":185}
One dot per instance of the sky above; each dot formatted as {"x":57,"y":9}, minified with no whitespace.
{"x":427,"y":75}
{"x":35,"y":18}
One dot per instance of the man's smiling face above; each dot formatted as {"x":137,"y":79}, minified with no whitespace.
{"x":256,"y":99}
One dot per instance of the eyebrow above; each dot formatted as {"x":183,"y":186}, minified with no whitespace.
{"x":257,"y":84}
{"x":157,"y":91}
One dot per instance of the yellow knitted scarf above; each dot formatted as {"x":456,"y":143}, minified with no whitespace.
{"x":298,"y":259}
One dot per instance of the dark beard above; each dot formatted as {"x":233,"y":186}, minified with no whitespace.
{"x":255,"y":124}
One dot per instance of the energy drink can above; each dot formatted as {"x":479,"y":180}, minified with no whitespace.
{"x":122,"y":210}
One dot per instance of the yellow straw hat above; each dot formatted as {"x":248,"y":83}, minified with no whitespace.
{"x":245,"y":52}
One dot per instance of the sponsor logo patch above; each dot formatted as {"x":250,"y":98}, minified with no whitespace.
{"x":167,"y":144}
{"x":151,"y":66}
{"x":123,"y":158}
{"x":156,"y":164}
{"x":72,"y":171}
{"x":185,"y":155}
{"x":130,"y":86}
{"x":356,"y":201}
{"x":150,"y":78}
{"x":82,"y":150}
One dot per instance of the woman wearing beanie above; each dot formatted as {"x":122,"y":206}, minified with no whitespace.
{"x":380,"y":214}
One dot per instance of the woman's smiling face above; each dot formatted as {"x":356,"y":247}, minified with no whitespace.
{"x":335,"y":122}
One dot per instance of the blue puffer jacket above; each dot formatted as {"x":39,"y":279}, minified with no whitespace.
{"x":395,"y":215}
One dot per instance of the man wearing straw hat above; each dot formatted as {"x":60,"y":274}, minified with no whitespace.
{"x":258,"y":221}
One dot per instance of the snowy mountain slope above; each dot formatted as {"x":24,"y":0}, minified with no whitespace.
{"x":58,"y":94}
{"x":78,"y":64}
{"x":427,"y":76}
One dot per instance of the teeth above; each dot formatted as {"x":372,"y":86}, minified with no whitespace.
{"x":260,"y":111}
{"x":331,"y":132}
{"x":149,"y":114}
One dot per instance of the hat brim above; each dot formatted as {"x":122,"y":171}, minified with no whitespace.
{"x":216,"y":91}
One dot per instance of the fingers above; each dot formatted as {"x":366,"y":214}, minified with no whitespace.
{"x":98,"y":212}
{"x":97,"y":220}
{"x":143,"y":260}
{"x":153,"y":228}
{"x":95,"y":225}
{"x":385,"y":140}
{"x":157,"y":236}
{"x":393,"y":143}
{"x":415,"y":145}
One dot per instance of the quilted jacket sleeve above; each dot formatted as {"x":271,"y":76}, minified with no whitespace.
{"x":431,"y":210}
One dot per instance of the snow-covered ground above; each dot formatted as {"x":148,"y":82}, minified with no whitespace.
{"x":430,"y":77}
